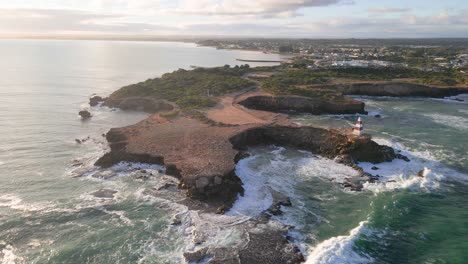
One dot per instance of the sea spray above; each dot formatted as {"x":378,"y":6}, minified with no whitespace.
{"x":341,"y":249}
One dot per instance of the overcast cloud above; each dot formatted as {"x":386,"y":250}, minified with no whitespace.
{"x":284,"y":18}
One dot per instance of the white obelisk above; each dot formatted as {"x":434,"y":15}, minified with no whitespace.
{"x":357,"y":130}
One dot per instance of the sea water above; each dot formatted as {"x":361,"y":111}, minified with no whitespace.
{"x":48,"y":213}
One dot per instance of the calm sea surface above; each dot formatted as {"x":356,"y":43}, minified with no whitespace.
{"x":48,"y":213}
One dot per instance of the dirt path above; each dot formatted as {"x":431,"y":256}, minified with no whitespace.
{"x":229,"y":113}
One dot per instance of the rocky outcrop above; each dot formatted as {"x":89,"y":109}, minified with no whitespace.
{"x":146,"y":104}
{"x":95,"y":100}
{"x":399,"y":89}
{"x":263,"y":246}
{"x":204,"y":156}
{"x":326,"y":142}
{"x":302,"y":104}
{"x":85,"y":114}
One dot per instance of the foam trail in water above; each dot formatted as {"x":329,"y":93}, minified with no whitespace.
{"x":340,"y":249}
{"x":457,"y":122}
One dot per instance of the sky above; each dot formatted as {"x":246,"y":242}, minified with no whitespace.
{"x":237,"y":18}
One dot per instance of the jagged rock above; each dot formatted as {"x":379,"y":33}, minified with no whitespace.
{"x":420,"y":173}
{"x":166,"y":186}
{"x":402,"y":157}
{"x":85,"y":114}
{"x":78,"y":141}
{"x":378,"y":116}
{"x":172,"y":170}
{"x":95,"y":100}
{"x":221,"y":209}
{"x":195,"y":257}
{"x":374,"y":168}
{"x":279,"y":200}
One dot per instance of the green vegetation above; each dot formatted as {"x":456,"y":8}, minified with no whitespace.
{"x":292,"y":82}
{"x":286,"y":81}
{"x":190,"y":89}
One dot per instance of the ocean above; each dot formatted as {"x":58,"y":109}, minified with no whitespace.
{"x":49,"y":212}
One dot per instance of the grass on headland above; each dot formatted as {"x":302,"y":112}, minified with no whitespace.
{"x":290,"y":80}
{"x":190,"y":89}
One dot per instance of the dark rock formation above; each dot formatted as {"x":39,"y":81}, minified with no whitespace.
{"x":279,"y":200}
{"x":302,"y":105}
{"x":85,"y":114}
{"x":95,"y":100}
{"x":263,"y":247}
{"x":146,"y":104}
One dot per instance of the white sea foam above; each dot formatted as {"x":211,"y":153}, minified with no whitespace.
{"x":8,"y":255}
{"x":340,"y":249}
{"x":457,"y":122}
{"x":15,"y":202}
{"x":400,"y":174}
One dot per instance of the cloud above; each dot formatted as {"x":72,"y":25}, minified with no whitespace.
{"x":388,"y":10}
{"x":437,"y":25}
{"x":56,"y":21}
{"x":261,"y":8}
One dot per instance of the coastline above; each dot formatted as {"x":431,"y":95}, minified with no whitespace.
{"x":202,"y":147}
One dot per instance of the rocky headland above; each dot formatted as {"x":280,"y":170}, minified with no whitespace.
{"x":201,"y":145}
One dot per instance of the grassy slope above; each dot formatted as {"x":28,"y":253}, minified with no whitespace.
{"x":189,"y":89}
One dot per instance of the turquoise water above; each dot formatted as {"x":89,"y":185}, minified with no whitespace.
{"x":410,"y":221}
{"x":48,"y":213}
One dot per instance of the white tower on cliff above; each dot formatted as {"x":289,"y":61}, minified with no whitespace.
{"x":357,"y":130}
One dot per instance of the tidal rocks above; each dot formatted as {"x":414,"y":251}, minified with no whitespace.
{"x":402,"y":157}
{"x":95,"y":100}
{"x":264,"y":246}
{"x":85,"y":114}
{"x":302,"y":104}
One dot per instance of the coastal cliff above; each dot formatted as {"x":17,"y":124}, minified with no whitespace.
{"x":396,"y":89}
{"x":302,"y":104}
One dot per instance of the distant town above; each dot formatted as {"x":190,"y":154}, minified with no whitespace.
{"x":436,"y":55}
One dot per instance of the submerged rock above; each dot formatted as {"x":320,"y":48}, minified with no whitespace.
{"x":104,"y":193}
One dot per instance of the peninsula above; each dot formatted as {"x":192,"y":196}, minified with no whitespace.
{"x":203,"y":122}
